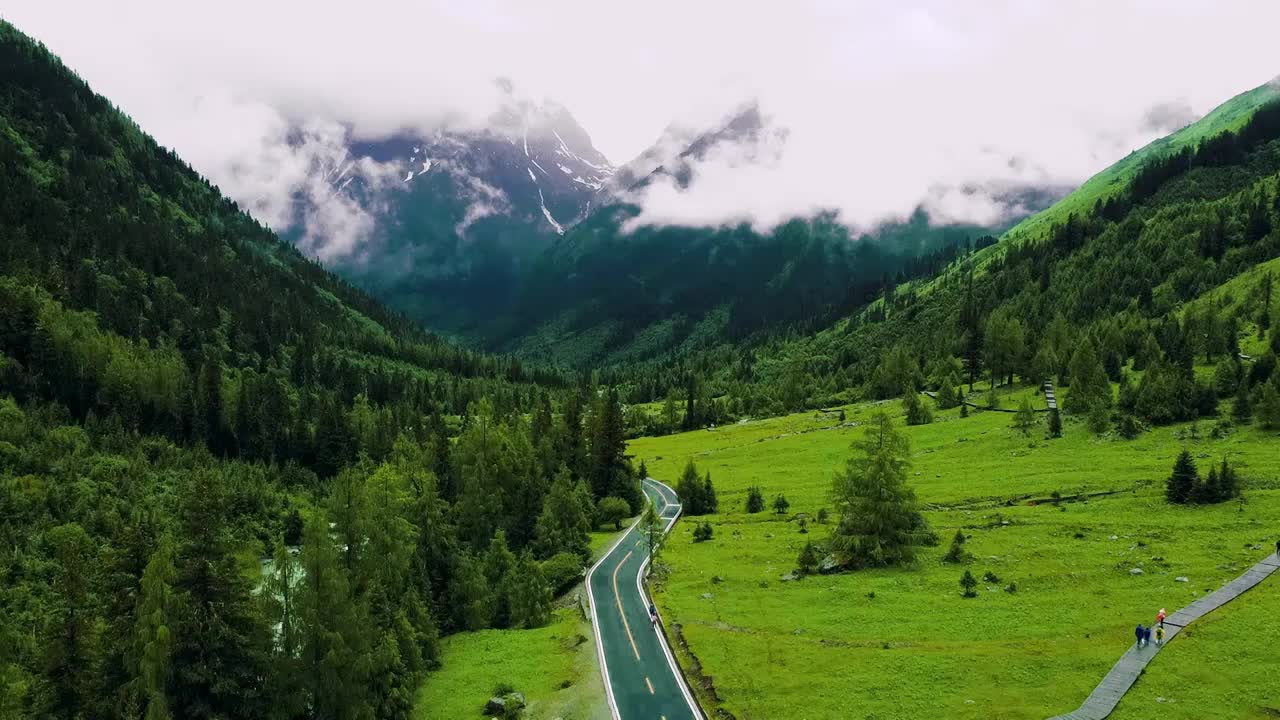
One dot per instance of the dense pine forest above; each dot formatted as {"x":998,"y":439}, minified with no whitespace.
{"x":230,"y":484}
{"x":233,"y":485}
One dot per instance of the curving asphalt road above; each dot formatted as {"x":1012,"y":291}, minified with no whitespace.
{"x":640,"y":676}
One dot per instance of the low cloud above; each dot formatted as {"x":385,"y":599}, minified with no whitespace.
{"x":883,"y":107}
{"x":1169,"y":116}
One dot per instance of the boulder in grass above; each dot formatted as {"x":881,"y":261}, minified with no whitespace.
{"x":501,"y":705}
{"x":1136,"y":571}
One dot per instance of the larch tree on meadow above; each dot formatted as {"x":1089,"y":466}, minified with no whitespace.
{"x":880,"y":523}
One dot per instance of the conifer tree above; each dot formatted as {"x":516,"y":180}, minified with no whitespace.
{"x":1055,"y":423}
{"x":282,"y":593}
{"x":690,"y":491}
{"x":807,"y":562}
{"x":781,"y":504}
{"x":956,"y":553}
{"x":710,"y":503}
{"x":1090,"y":388}
{"x":1269,"y":403}
{"x":1182,"y":482}
{"x":880,"y":523}
{"x":335,"y":633}
{"x":562,"y":526}
{"x":500,"y":575}
{"x":221,"y":640}
{"x":916,"y":411}
{"x":530,"y":594}
{"x":1025,"y":419}
{"x":755,"y":499}
{"x":1242,"y":406}
{"x":469,"y":594}
{"x":69,"y":642}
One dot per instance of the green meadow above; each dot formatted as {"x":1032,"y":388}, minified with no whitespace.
{"x":554,"y":666}
{"x":1061,"y":526}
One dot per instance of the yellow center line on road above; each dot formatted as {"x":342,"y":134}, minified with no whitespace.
{"x":618,"y":599}
{"x":646,"y":682}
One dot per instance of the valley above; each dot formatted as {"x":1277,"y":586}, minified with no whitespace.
{"x":389,"y":423}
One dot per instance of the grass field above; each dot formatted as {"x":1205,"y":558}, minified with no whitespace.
{"x":903,"y":643}
{"x":554,"y":666}
{"x":1230,"y":655}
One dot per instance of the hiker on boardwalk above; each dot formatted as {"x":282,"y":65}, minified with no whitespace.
{"x":1146,"y":637}
{"x":1160,"y":636}
{"x":1139,"y":632}
{"x":1160,"y":617}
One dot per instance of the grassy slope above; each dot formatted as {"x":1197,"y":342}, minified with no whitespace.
{"x":537,"y":663}
{"x":1231,"y":115}
{"x":534,"y":662}
{"x":1228,"y":116}
{"x":916,"y":649}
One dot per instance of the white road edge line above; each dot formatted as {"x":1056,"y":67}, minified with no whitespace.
{"x":595,"y":620}
{"x":662,"y":639}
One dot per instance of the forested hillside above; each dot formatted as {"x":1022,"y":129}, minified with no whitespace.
{"x":1109,"y":290}
{"x":182,"y":396}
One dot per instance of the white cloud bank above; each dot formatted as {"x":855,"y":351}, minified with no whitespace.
{"x":885,"y":106}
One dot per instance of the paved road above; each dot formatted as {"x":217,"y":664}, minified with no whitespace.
{"x":640,"y":676}
{"x":1125,"y":673}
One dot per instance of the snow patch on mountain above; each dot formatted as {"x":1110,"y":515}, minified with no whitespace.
{"x":547,"y":214}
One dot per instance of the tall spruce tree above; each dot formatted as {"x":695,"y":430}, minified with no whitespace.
{"x":153,"y":639}
{"x":221,"y":640}
{"x":1183,"y":480}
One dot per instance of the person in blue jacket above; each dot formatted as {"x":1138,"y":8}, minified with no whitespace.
{"x":1138,"y":633}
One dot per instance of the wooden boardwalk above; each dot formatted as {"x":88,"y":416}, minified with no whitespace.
{"x":1125,"y":673}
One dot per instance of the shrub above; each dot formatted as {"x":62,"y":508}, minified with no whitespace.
{"x":562,"y":570}
{"x":807,"y":562}
{"x":968,"y":583}
{"x":1129,"y":427}
{"x":614,"y":510}
{"x":755,"y":499}
{"x":990,"y":577}
{"x":956,"y":553}
{"x":780,"y":504}
{"x":822,"y":516}
{"x":702,"y":532}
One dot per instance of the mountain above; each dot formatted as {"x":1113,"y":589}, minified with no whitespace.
{"x":1157,"y":272}
{"x":606,"y":293}
{"x":460,"y":214}
{"x":194,"y":417}
{"x":514,"y":239}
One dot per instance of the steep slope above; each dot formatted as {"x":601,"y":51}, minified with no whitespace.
{"x":1229,"y":116}
{"x":606,"y":295}
{"x":459,"y":214}
{"x":1111,"y":285}
{"x":194,"y":418}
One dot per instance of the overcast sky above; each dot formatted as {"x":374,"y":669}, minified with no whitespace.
{"x":875,"y":106}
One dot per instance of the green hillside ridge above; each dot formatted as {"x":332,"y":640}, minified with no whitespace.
{"x":232,"y":484}
{"x":1227,"y":117}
